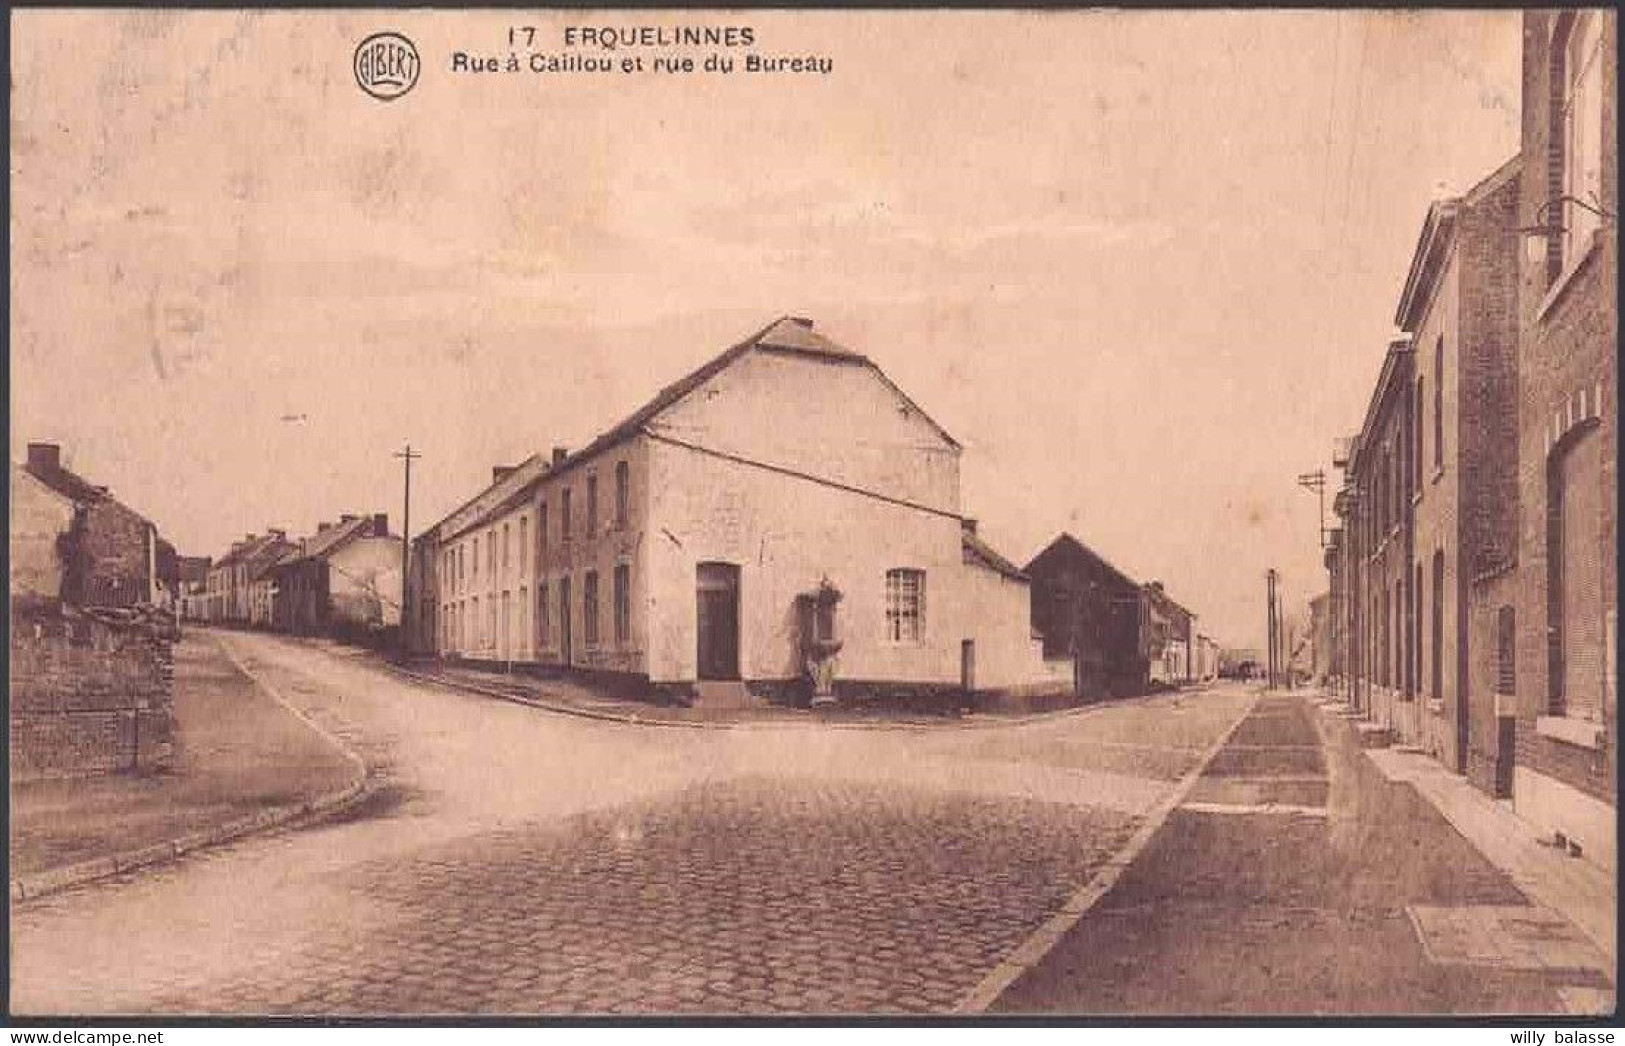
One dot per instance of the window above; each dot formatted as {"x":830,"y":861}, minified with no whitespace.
{"x":523,"y":628}
{"x":623,"y":604}
{"x":524,"y":541}
{"x":474,"y":572}
{"x":541,"y":532}
{"x":1416,"y":630}
{"x":491,"y":634}
{"x":1416,"y":459}
{"x":543,"y":617}
{"x":1506,"y":651}
{"x":589,"y":607}
{"x":905,"y":605}
{"x":474,"y":603}
{"x":1436,"y":646}
{"x":622,"y":492}
{"x":491,"y":553}
{"x":564,"y":514}
{"x":505,"y":554}
{"x":1581,"y":130}
{"x":1577,"y":614}
{"x":1438,"y":403}
{"x":592,"y":505}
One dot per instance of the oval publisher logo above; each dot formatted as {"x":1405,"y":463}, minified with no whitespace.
{"x":386,"y":65}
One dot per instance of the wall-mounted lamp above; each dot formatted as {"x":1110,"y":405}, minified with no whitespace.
{"x":1549,"y":223}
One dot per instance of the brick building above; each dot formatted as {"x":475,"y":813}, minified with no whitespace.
{"x":1376,"y":503}
{"x":1556,"y":628}
{"x":1090,"y":612}
{"x":1458,"y":309}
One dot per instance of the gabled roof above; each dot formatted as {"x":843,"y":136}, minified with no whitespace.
{"x":520,"y":474}
{"x":787,"y":334}
{"x":1434,"y":242}
{"x":324,"y":543}
{"x":69,"y":484}
{"x":251,"y":550}
{"x":1399,"y":353}
{"x":981,"y":553}
{"x":1065,"y":542}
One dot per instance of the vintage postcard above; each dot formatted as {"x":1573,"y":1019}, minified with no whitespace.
{"x":744,"y":514}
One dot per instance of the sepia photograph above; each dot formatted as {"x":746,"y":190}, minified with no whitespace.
{"x":751,"y":515}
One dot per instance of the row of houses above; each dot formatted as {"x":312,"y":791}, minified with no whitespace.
{"x":344,"y":580}
{"x":782,"y":514}
{"x":1122,"y":636}
{"x":1472,"y":602}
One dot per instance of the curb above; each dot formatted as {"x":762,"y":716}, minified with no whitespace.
{"x":1042,"y":940}
{"x":630,"y":719}
{"x":65,"y":877}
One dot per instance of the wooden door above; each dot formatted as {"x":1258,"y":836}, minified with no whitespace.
{"x":717,"y":621}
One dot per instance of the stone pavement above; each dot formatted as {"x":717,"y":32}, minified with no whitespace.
{"x":750,"y":896}
{"x":1295,"y":879}
{"x":1581,"y":891}
{"x":519,"y":863}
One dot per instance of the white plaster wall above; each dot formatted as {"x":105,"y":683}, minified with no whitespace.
{"x":38,"y":516}
{"x":786,"y":534}
{"x":837,"y":420}
{"x":996,"y":614}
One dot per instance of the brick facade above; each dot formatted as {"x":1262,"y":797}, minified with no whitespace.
{"x":1568,"y":434}
{"x":87,"y":695}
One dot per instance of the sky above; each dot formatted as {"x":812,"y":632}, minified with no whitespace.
{"x":1142,"y":265}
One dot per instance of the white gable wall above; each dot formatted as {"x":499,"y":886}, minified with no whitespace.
{"x":835,"y":419}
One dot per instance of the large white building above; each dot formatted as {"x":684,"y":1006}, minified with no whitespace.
{"x":677,"y":547}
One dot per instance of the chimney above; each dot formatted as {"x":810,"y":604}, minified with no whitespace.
{"x":804,"y":321}
{"x":320,"y":527}
{"x":44,"y":457}
{"x":380,"y":524}
{"x":277,"y":532}
{"x":559,"y":454}
{"x":968,"y":525}
{"x":348,"y":517}
{"x":247,"y":538}
{"x":501,"y":472}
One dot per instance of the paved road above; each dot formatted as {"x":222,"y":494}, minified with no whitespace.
{"x":1317,"y":905}
{"x":521,"y":862}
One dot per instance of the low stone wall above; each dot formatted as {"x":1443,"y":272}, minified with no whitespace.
{"x":91,"y":692}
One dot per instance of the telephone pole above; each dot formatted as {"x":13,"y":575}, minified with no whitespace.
{"x":407,"y":456}
{"x":1272,"y":657}
{"x":1316,"y":481}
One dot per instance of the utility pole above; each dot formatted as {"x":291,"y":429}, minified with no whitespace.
{"x":407,"y":456}
{"x":1270,"y":657}
{"x":1316,"y":481}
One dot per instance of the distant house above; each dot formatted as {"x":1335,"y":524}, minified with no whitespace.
{"x":344,"y":579}
{"x":1091,"y":612}
{"x":1168,"y":633}
{"x":103,"y":553}
{"x":238,"y":586}
{"x":191,"y":585}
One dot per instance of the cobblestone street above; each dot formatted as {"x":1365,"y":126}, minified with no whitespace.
{"x":520,"y":862}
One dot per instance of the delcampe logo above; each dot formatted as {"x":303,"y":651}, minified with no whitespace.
{"x":386,"y":65}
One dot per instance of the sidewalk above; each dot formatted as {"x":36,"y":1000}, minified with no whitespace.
{"x":571,"y":698}
{"x":242,"y":762}
{"x":1577,"y":889}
